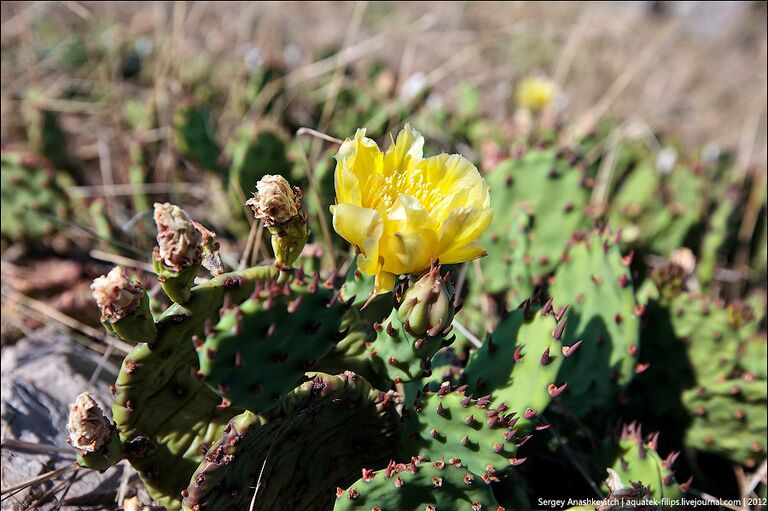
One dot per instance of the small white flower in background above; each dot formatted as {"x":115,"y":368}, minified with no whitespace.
{"x":292,"y":54}
{"x":143,"y":46}
{"x":666,"y":160}
{"x":415,"y":83}
{"x":435,"y":101}
{"x":710,"y":153}
{"x":253,"y":58}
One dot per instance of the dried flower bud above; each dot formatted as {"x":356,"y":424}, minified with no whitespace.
{"x":211,"y":260}
{"x":116,"y":294}
{"x":278,"y":205}
{"x":88,"y":428}
{"x":177,"y":238}
{"x":275,"y":201}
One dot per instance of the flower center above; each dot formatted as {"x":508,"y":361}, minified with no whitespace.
{"x":382,"y":195}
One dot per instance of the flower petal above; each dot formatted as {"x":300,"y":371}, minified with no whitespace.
{"x":405,"y":152}
{"x":463,"y":226}
{"x":408,"y":252}
{"x":405,"y":215}
{"x":465,"y":253}
{"x":356,"y":160}
{"x":384,"y":282}
{"x":363,"y":228}
{"x":452,"y":172}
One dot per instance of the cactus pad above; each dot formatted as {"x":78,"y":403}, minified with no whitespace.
{"x":638,"y":462}
{"x":451,"y":424}
{"x":518,"y":365}
{"x":417,"y":486}
{"x":165,"y":416}
{"x":729,"y":418}
{"x":596,"y":281}
{"x":318,"y":437}
{"x":261,"y":349}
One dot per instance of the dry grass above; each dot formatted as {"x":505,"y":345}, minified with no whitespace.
{"x":695,"y":70}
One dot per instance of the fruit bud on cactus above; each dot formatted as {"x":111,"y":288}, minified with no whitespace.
{"x":179,"y":254}
{"x":92,"y":435}
{"x":124,"y":306}
{"x":278,"y":205}
{"x":427,"y":306}
{"x":669,"y":279}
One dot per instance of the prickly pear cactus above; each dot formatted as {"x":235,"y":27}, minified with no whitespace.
{"x":165,"y":416}
{"x":35,"y":204}
{"x":418,"y":485}
{"x":519,"y":364}
{"x":254,"y":151}
{"x":710,"y":334}
{"x":596,"y":280}
{"x":554,"y":193}
{"x":729,"y":418}
{"x":508,"y":265}
{"x":44,"y":133}
{"x":319,"y":437}
{"x":194,"y":137}
{"x":412,"y":334}
{"x":658,"y":203}
{"x":639,"y":462}
{"x":449,"y":423}
{"x":359,"y":325}
{"x":260,"y":349}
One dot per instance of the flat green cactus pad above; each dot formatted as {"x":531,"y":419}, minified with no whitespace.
{"x":418,"y":486}
{"x":166,"y":417}
{"x":260,"y":349}
{"x":519,"y":364}
{"x":319,"y":437}
{"x":596,"y":281}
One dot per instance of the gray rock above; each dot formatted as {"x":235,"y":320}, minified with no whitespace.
{"x":41,"y":376}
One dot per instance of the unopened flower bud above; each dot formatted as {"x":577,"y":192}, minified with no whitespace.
{"x":88,"y":428}
{"x":427,"y":306}
{"x":124,"y":306}
{"x":177,"y":239}
{"x":278,"y":205}
{"x":116,"y":295}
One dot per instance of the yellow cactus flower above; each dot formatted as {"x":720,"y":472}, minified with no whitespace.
{"x":404,"y":212}
{"x":536,"y":92}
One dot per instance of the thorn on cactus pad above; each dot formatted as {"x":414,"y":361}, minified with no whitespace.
{"x":558,"y":333}
{"x":570,"y":350}
{"x":554,"y":391}
{"x":641,"y":367}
